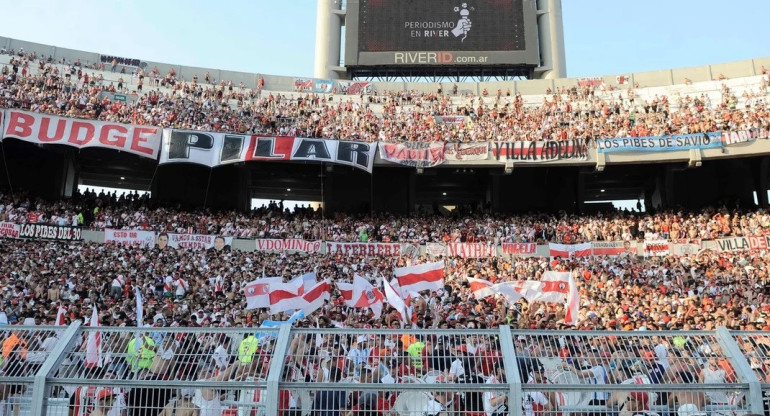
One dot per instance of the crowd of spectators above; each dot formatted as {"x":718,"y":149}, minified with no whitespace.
{"x":130,"y":211}
{"x":204,"y":288}
{"x":580,"y":112}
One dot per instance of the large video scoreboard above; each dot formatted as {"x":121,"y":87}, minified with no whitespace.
{"x":441,"y":32}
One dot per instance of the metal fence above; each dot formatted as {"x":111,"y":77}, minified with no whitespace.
{"x":108,"y":371}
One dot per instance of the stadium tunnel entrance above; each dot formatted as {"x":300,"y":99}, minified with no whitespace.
{"x":54,"y":171}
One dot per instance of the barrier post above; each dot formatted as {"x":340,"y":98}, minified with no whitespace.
{"x":56,"y":356}
{"x":742,"y":369}
{"x":512,"y":372}
{"x":276,"y":369}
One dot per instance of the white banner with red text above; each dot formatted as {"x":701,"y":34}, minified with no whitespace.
{"x":414,"y":154}
{"x":518,"y":249}
{"x":371,"y":249}
{"x":656,"y":247}
{"x":197,"y":241}
{"x":294,"y":245}
{"x":137,"y":238}
{"x":9,"y":229}
{"x":47,"y":129}
{"x":466,"y":151}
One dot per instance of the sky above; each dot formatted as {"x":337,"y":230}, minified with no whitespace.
{"x":278,"y":37}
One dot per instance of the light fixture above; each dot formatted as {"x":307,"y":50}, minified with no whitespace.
{"x":122,"y":178}
{"x":602,"y":190}
{"x":444,"y":193}
{"x":288,"y":189}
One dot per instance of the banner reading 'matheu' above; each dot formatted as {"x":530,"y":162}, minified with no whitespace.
{"x":660,"y":143}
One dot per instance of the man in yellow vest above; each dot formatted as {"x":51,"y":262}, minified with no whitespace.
{"x":142,"y":359}
{"x":247,"y":348}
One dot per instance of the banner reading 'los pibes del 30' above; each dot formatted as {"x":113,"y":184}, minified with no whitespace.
{"x":660,"y":143}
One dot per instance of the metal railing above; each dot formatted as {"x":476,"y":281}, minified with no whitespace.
{"x":80,"y":371}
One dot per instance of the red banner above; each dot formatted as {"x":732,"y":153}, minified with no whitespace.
{"x":289,"y":244}
{"x":46,"y":129}
{"x":471,"y":250}
{"x":519,"y":248}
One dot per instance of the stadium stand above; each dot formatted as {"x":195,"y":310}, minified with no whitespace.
{"x":120,"y":305}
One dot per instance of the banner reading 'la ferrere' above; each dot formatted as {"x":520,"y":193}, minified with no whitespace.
{"x":47,"y":129}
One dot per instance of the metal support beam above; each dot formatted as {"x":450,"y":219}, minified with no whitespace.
{"x":512,"y":372}
{"x":742,"y":368}
{"x":276,"y":369}
{"x":39,"y":394}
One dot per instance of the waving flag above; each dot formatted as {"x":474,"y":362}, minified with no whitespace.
{"x":573,"y":303}
{"x":513,"y":291}
{"x":315,"y":297}
{"x":286,"y":296}
{"x":346,"y":291}
{"x":395,"y":300}
{"x":553,"y":287}
{"x":569,"y":250}
{"x":481,"y":288}
{"x":94,"y":343}
{"x":257,"y":292}
{"x":60,"y":316}
{"x":367,"y":296}
{"x":428,"y":276}
{"x":139,"y":318}
{"x":267,"y":323}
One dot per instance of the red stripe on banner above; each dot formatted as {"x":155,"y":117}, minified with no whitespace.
{"x":281,"y":295}
{"x":317,"y":291}
{"x":410,"y":279}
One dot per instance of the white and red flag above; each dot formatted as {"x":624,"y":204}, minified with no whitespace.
{"x":286,"y":296}
{"x":365,"y":295}
{"x":396,"y":301}
{"x":257,"y":292}
{"x":94,"y":343}
{"x":60,"y":316}
{"x":481,"y":288}
{"x":427,"y":276}
{"x":573,"y":303}
{"x":315,"y":297}
{"x":553,"y":287}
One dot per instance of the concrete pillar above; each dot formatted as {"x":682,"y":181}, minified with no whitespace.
{"x":580,"y":192}
{"x":760,"y":172}
{"x":551,"y":33}
{"x":327,"y":39}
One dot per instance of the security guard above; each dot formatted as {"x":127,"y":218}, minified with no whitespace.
{"x":247,"y":348}
{"x":141,"y":360}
